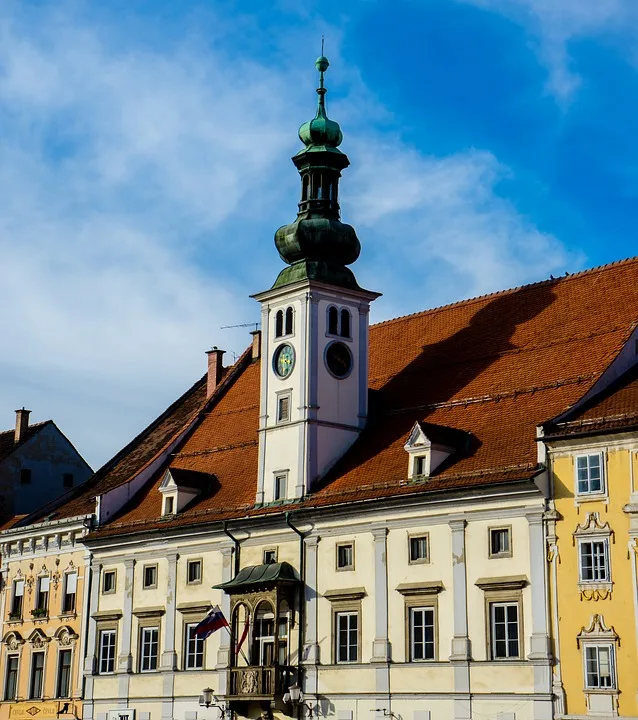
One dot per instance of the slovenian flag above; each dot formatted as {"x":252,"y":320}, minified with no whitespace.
{"x":213,"y":621}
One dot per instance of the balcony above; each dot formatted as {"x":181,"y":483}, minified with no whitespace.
{"x":257,"y":682}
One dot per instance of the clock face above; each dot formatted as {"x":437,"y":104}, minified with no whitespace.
{"x":284,"y":360}
{"x":338,"y":359}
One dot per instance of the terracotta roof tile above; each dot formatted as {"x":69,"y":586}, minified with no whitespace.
{"x":494,"y":367}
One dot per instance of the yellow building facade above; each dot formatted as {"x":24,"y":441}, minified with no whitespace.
{"x":44,"y":574}
{"x":592,"y":545}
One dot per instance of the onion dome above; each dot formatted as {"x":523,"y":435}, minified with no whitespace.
{"x":321,"y":131}
{"x":317,"y":245}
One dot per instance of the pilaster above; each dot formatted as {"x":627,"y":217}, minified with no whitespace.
{"x":311,"y":645}
{"x":125,"y":658}
{"x":169,"y":656}
{"x":460,"y":650}
{"x":223,"y":651}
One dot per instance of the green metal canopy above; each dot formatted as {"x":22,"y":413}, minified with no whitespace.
{"x":261,"y":576}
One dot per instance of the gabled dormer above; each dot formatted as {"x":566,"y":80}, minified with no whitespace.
{"x":429,"y":445}
{"x":179,"y":487}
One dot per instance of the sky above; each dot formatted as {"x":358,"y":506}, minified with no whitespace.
{"x":145,"y":164}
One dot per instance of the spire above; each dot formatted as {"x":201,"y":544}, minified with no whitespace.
{"x":317,"y":245}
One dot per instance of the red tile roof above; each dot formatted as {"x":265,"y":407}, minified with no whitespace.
{"x":495,"y":367}
{"x":7,"y":438}
{"x":613,"y":410}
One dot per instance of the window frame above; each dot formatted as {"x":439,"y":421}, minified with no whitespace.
{"x":411,"y":607}
{"x":17,"y":608}
{"x":426,"y":558}
{"x":191,"y":563}
{"x":65,"y":593}
{"x":7,"y":672}
{"x":111,"y":590}
{"x":594,"y":494}
{"x":39,"y":593}
{"x":497,"y":529}
{"x":493,"y":603}
{"x":144,"y":629}
{"x":338,"y":546}
{"x":591,"y":539}
{"x":283,"y":395}
{"x":277,"y":495}
{"x":188,"y":626}
{"x":153,"y":585}
{"x":59,"y":670}
{"x":270,"y":550}
{"x":338,"y":613}
{"x":611,"y":647}
{"x":100,"y":656}
{"x":32,"y":675}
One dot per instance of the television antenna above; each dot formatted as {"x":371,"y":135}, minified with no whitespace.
{"x":250,"y":324}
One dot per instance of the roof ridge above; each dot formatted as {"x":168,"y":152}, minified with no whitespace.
{"x":40,"y":424}
{"x":506,"y":291}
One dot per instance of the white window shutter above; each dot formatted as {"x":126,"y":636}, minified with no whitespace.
{"x":19,"y":588}
{"x":71,"y":583}
{"x":44,"y":584}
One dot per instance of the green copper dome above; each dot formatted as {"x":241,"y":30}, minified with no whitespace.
{"x":317,"y":245}
{"x":321,"y":131}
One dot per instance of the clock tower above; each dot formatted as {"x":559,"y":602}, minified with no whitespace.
{"x":314,"y":372}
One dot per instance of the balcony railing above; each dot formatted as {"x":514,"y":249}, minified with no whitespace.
{"x":257,"y":681}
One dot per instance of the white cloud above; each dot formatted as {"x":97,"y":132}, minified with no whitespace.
{"x":557,"y":23}
{"x":139,"y":192}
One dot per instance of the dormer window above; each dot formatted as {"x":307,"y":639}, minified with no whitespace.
{"x":430,"y":445}
{"x":339,"y":322}
{"x":284,"y":322}
{"x":180,"y":487}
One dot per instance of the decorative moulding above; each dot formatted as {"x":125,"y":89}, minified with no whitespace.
{"x":420,"y":588}
{"x":107,"y":615}
{"x":187,"y":607}
{"x":597,"y":630}
{"x":355,"y":593}
{"x":510,"y":582}
{"x":592,"y":526}
{"x":146,"y":612}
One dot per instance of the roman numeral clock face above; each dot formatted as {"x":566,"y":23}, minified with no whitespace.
{"x":284,"y":360}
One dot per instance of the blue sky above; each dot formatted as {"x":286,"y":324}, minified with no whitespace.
{"x":145,"y":165}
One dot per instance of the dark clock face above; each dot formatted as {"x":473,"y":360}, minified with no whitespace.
{"x":284,"y":360}
{"x":339,"y":359}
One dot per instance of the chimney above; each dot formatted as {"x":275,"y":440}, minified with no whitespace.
{"x":215,"y":369}
{"x":22,"y":424}
{"x":257,"y":344}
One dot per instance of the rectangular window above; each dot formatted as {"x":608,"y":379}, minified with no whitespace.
{"x":345,"y":557}
{"x":149,"y":649}
{"x":108,"y":582}
{"x":270,"y":557}
{"x":589,"y":474}
{"x":500,"y":542}
{"x":169,"y":505}
{"x":25,"y":476}
{"x":280,"y":487}
{"x":594,"y":560}
{"x":419,"y":549}
{"x":283,"y":408}
{"x":194,"y":572}
{"x":420,"y":466}
{"x":106,"y":660}
{"x":150,"y":576}
{"x":18,"y":595}
{"x":347,"y":640}
{"x":37,"y":675}
{"x":11,"y":679}
{"x":67,"y":482}
{"x":421,"y":633}
{"x":599,"y":667}
{"x":64,"y":674}
{"x":504,"y":630}
{"x":194,"y":652}
{"x":70,"y":588}
{"x":42,"y":602}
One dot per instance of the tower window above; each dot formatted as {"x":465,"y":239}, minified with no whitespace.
{"x":345,"y":323}
{"x":305,"y":188}
{"x":283,"y":408}
{"x":289,"y":320}
{"x":280,"y":486}
{"x":333,"y":321}
{"x":279,"y":323}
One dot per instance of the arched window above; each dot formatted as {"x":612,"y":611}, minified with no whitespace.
{"x":305,"y":187}
{"x":279,"y":323}
{"x":240,"y":621}
{"x":264,"y":636}
{"x":333,"y":320}
{"x":319,"y":187}
{"x":345,"y":323}
{"x":289,"y":320}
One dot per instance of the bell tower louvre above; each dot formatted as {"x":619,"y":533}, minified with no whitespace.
{"x":314,"y":375}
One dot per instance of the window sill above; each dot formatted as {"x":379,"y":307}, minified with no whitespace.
{"x":591,"y":497}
